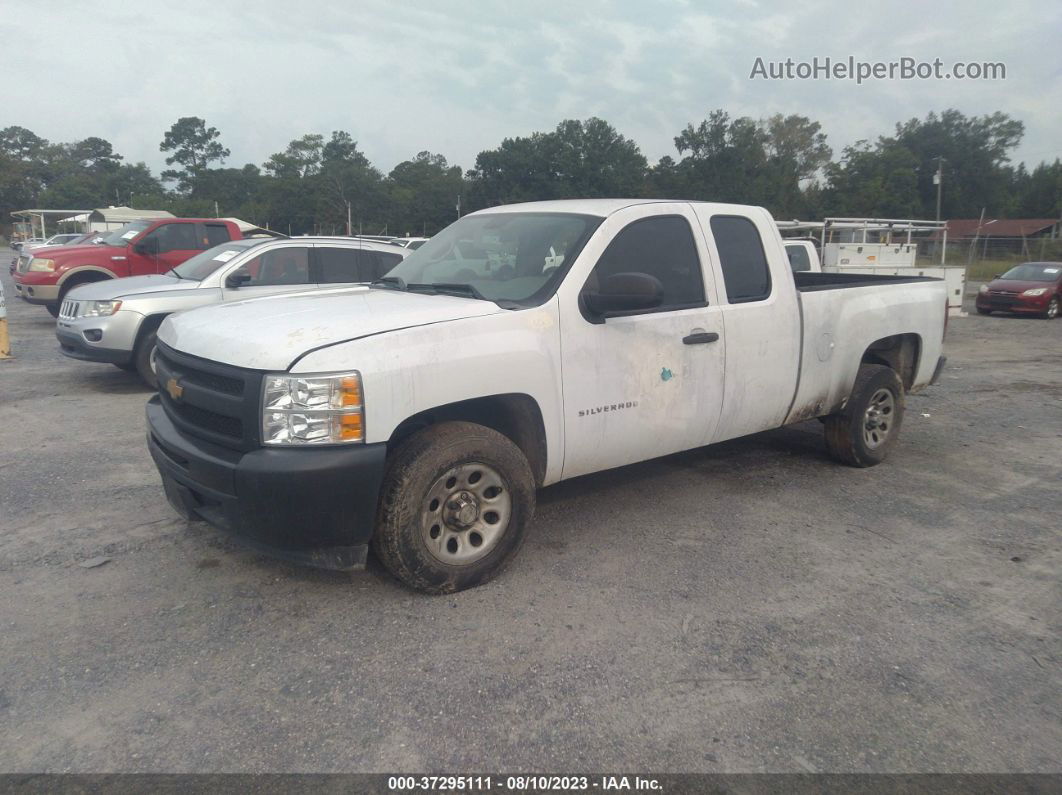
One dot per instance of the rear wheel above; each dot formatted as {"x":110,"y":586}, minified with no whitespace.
{"x":1052,"y":309}
{"x":862,"y":433}
{"x":144,"y":360}
{"x":454,"y":507}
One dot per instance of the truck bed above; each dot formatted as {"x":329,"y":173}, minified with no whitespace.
{"x":808,"y":282}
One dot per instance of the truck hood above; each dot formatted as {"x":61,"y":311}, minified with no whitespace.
{"x":272,"y":333}
{"x":66,"y":253}
{"x":132,"y":285}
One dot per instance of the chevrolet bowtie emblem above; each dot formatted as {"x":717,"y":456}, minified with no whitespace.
{"x":175,"y":389}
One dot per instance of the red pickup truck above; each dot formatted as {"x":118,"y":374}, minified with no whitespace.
{"x":137,"y":249}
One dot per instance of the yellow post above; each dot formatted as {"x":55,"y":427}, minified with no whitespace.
{"x":5,"y":343}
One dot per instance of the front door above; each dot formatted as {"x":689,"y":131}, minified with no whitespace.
{"x":167,"y":246}
{"x":649,"y":383}
{"x":282,"y":269}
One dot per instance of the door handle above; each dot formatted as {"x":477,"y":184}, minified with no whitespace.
{"x":700,"y":337}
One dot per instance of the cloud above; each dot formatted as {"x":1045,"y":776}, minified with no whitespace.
{"x":457,"y":77}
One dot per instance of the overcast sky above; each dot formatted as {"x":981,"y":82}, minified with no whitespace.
{"x":456,"y":77}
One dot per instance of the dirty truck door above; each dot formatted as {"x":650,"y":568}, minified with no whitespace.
{"x":648,"y":382}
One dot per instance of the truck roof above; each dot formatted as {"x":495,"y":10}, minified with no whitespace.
{"x":599,"y":207}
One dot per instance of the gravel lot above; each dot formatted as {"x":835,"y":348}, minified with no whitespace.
{"x":746,"y":607}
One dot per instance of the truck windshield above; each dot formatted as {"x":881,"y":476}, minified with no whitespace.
{"x":1034,"y":272}
{"x":517,"y":258}
{"x":202,"y":265}
{"x":121,"y":237}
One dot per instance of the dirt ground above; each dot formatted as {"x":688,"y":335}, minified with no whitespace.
{"x":746,"y":607}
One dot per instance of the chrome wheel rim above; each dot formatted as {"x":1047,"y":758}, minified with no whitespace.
{"x":878,"y":418}
{"x":465,"y":513}
{"x":151,"y":359}
{"x":1052,"y":308}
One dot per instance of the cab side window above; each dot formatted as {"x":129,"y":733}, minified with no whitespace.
{"x":798,"y":257}
{"x":174,"y":237}
{"x":215,"y":235}
{"x":742,"y":259}
{"x":280,"y":266}
{"x":662,"y":247}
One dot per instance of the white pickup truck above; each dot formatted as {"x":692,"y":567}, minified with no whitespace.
{"x":521,"y":346}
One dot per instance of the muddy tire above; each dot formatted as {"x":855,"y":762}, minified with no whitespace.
{"x":144,"y":360}
{"x":455,"y":505}
{"x":1053,"y":309}
{"x":862,"y":434}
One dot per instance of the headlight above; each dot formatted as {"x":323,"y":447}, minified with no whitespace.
{"x":100,"y":308}
{"x":42,"y":265}
{"x":313,"y":409}
{"x":984,"y":289}
{"x":1036,"y":292}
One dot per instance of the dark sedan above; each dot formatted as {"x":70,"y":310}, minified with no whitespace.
{"x":1032,"y":288}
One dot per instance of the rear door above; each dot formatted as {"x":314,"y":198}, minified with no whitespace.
{"x":347,"y":265}
{"x":760,"y":314}
{"x":649,"y":383}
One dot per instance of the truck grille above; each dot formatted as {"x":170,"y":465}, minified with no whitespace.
{"x":216,"y":402}
{"x":69,"y":309}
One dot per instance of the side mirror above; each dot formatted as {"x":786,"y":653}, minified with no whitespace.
{"x":625,"y":292}
{"x":145,"y":247}
{"x":237,"y":279}
{"x":997,"y":276}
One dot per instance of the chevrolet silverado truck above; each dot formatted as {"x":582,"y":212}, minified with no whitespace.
{"x":116,"y":320}
{"x":521,"y":346}
{"x":136,"y":249}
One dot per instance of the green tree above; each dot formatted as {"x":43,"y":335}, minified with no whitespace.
{"x":301,"y":159}
{"x":195,"y":146}
{"x":424,"y":193}
{"x":579,"y":159}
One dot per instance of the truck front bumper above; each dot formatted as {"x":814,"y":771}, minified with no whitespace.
{"x":311,"y":506}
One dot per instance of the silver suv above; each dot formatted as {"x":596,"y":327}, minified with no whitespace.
{"x":115,"y":321}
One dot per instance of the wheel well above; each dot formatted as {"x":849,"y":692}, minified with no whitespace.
{"x":515,"y":416}
{"x":149,"y":324}
{"x":84,"y":277}
{"x":900,"y":352}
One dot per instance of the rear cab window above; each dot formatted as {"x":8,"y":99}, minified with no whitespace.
{"x":746,"y":273}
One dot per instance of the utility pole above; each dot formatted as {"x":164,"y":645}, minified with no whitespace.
{"x":458,"y":205}
{"x":348,"y":219}
{"x":938,"y":180}
{"x":216,"y":213}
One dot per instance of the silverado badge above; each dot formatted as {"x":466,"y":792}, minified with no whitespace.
{"x":175,"y":389}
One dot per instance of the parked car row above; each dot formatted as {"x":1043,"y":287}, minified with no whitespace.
{"x":116,"y":320}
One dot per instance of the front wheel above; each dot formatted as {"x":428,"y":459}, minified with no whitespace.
{"x":862,"y":433}
{"x":53,"y":309}
{"x":1052,"y":309}
{"x":144,"y":360}
{"x":454,"y":507}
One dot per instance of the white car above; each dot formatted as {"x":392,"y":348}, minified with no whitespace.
{"x":115,"y":321}
{"x":521,"y":346}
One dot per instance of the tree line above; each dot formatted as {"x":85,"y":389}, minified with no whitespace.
{"x":781,"y":162}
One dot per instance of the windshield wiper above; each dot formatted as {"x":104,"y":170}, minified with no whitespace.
{"x":390,"y":283}
{"x":451,"y":288}
{"x":173,"y":272}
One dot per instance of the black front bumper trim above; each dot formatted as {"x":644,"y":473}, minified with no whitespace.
{"x":311,"y":506}
{"x":71,"y":344}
